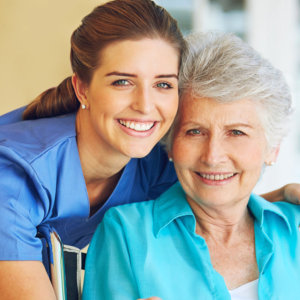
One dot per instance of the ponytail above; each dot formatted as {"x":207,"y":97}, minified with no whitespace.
{"x":53,"y":102}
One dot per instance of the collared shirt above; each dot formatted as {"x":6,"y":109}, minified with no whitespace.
{"x":151,"y":249}
{"x":42,"y":184}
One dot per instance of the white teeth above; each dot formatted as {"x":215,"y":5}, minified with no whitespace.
{"x":216,"y":176}
{"x":137,"y":126}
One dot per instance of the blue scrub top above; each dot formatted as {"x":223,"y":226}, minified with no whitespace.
{"x":151,"y":249}
{"x":42,"y":184}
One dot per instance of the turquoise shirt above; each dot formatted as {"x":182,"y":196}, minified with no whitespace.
{"x":151,"y":249}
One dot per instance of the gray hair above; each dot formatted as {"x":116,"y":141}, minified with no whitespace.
{"x":223,"y":67}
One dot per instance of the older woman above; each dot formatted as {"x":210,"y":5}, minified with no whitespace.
{"x":208,"y":236}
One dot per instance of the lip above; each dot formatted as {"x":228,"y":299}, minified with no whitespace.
{"x":216,"y":178}
{"x":136,"y":133}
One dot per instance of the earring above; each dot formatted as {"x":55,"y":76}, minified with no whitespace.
{"x":271,"y":163}
{"x":170,"y":159}
{"x":83,"y":106}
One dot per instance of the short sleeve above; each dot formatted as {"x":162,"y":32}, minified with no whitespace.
{"x":12,"y":116}
{"x":108,"y":272}
{"x":21,"y":213}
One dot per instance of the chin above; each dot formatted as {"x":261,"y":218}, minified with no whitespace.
{"x":137,"y":151}
{"x":139,"y":154}
{"x":142,"y":153}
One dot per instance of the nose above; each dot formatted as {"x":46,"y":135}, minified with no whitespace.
{"x":213,"y":152}
{"x":143,"y":100}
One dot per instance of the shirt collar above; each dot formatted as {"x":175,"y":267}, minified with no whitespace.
{"x":173,"y":204}
{"x":259,"y":207}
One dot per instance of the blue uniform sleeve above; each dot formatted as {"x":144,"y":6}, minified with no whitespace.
{"x":20,"y":213}
{"x":108,"y":272}
{"x":12,"y":116}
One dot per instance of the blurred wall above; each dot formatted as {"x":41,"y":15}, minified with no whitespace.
{"x":35,"y":46}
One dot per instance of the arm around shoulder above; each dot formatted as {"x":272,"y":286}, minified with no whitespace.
{"x":289,"y":193}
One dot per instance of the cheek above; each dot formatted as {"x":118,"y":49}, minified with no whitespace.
{"x":184,"y":154}
{"x":168,"y":106}
{"x":252,"y":160}
{"x":104,"y":106}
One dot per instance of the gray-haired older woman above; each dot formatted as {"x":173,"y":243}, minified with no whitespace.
{"x":208,"y":236}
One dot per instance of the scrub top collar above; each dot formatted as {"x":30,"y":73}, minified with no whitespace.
{"x":114,"y":199}
{"x":82,"y":208}
{"x":173,"y":205}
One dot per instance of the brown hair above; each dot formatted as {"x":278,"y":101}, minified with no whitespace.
{"x":113,"y":21}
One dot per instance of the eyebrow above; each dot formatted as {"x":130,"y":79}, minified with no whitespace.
{"x":240,"y":125}
{"x":134,"y":75}
{"x":193,"y":123}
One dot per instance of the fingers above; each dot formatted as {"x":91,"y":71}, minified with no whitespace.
{"x":292,"y":193}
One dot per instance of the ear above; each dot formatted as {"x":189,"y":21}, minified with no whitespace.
{"x":80,"y":89}
{"x":272,"y":156}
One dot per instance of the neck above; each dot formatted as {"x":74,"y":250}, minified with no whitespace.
{"x":101,"y":165}
{"x":98,"y":160}
{"x":223,"y":225}
{"x":229,"y":235}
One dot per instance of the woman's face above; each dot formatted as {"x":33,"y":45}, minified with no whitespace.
{"x":133,"y":96}
{"x":219,"y":150}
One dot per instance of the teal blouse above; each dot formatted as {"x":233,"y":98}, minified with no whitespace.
{"x":151,"y":249}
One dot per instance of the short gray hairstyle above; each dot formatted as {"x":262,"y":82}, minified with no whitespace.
{"x":223,"y":67}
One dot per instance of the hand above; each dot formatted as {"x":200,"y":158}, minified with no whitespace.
{"x":288,"y":193}
{"x":151,"y":298}
{"x":291,"y":193}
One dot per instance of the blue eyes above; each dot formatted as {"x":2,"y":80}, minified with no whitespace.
{"x":125,"y":83}
{"x":193,"y":132}
{"x":121,"y":82}
{"x":236,"y":132}
{"x":233,"y":132}
{"x":164,"y":85}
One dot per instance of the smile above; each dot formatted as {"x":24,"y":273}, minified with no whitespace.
{"x":216,"y":177}
{"x":137,"y":126}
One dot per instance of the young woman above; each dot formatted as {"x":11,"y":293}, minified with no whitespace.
{"x":90,"y":143}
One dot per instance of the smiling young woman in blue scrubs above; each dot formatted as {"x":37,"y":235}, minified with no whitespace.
{"x":90,"y":143}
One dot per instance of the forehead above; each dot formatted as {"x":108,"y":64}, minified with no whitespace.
{"x":143,"y":52}
{"x":210,"y":111}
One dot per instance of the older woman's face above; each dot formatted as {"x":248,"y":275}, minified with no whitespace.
{"x":219,"y":149}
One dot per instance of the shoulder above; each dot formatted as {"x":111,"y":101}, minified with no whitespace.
{"x":126,"y":212}
{"x":37,"y":158}
{"x":290,"y":211}
{"x":130,"y":217}
{"x":12,"y":116}
{"x":156,"y":163}
{"x":123,"y":226}
{"x":275,"y":216}
{"x":30,"y":139}
{"x":156,"y":171}
{"x":157,"y":154}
